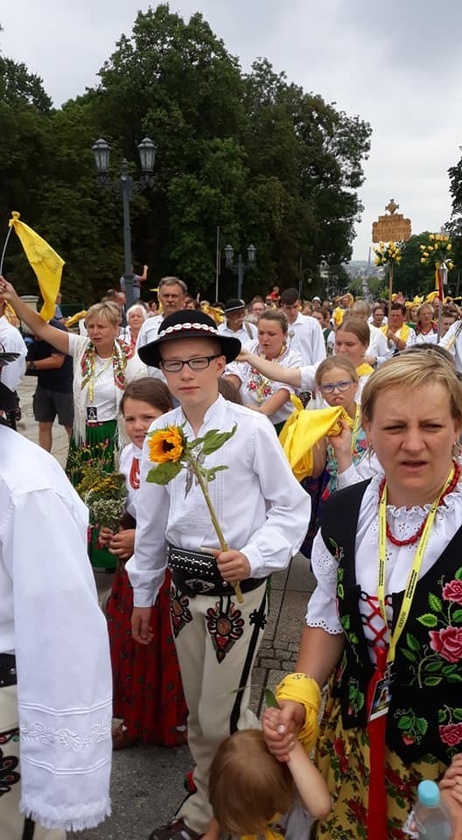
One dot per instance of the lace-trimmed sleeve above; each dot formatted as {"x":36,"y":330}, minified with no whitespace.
{"x":322,"y":606}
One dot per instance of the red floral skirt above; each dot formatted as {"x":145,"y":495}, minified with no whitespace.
{"x":148,"y":692}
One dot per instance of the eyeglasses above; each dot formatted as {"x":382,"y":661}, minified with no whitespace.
{"x":330,"y":387}
{"x":198,"y":363}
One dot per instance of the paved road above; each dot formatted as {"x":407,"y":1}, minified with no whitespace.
{"x":147,"y":782}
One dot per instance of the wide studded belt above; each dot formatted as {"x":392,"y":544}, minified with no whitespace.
{"x":7,"y":669}
{"x":196,"y":573}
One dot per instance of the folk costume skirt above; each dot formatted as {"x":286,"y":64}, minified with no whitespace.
{"x":100,"y":447}
{"x":13,"y":825}
{"x":343,"y":758}
{"x":148,"y":692}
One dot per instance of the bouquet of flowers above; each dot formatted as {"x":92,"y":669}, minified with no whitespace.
{"x":171,"y":450}
{"x":387,"y":252}
{"x":105,"y":496}
{"x":437,"y":251}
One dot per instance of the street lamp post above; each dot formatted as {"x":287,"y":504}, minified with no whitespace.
{"x":241,"y":267}
{"x":126,"y":186}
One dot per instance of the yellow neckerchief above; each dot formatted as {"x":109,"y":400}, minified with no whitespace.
{"x":303,"y":429}
{"x":414,"y":571}
{"x":268,"y":832}
{"x":364,"y":369}
{"x":403,"y":333}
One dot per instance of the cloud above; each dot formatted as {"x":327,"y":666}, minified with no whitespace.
{"x":397,"y":65}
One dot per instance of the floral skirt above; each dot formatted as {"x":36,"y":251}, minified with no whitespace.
{"x":100,"y":446}
{"x":343,"y":759}
{"x":148,"y":692}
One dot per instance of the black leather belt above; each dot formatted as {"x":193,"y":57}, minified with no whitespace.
{"x":7,"y":669}
{"x":197,"y":574}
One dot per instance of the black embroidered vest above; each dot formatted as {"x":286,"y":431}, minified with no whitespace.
{"x":425,"y":714}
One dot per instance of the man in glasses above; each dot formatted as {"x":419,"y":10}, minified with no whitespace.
{"x":263,"y":513}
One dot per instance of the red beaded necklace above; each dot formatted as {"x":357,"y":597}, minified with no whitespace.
{"x":134,"y":477}
{"x":415,"y":537}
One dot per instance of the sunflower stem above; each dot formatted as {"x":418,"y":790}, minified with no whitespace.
{"x":223,"y":544}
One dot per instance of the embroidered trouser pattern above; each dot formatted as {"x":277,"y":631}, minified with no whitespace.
{"x":216,"y":650}
{"x":13,"y":825}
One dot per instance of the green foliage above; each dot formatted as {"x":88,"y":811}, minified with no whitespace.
{"x":251,"y":153}
{"x":410,"y":276}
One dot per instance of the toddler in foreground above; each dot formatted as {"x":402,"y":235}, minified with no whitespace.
{"x":252,"y":793}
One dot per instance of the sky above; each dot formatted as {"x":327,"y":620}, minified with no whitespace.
{"x":398,"y":65}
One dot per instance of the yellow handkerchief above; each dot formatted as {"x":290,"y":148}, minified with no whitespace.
{"x":303,"y":430}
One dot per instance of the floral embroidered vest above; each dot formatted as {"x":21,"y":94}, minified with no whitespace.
{"x":425,"y":714}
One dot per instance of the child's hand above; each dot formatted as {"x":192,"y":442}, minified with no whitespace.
{"x":104,"y":537}
{"x":232,"y":565}
{"x":280,"y":727}
{"x":452,"y":779}
{"x":122,"y":544}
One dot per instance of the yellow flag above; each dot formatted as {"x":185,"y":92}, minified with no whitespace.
{"x":47,"y":264}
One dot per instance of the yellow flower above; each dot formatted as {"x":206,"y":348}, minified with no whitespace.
{"x":165,"y":445}
{"x":431,"y":237}
{"x":449,"y":246}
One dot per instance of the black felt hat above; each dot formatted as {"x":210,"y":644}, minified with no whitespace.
{"x":187,"y":324}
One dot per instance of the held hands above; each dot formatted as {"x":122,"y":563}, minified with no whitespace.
{"x":141,"y":629}
{"x":280,"y":728}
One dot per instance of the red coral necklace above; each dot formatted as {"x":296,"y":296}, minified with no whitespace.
{"x":415,"y":537}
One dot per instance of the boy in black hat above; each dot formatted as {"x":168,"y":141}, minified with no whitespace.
{"x":263,"y":513}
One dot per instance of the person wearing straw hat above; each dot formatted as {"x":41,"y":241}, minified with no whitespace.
{"x":55,"y":674}
{"x":263,"y":513}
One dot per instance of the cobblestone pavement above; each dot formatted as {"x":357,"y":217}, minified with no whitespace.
{"x":147,"y":782}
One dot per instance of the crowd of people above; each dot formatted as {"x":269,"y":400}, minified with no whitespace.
{"x":243,"y":433}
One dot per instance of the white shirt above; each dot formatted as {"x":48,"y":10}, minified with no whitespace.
{"x":452,"y":342}
{"x":127,"y":455}
{"x":11,"y":341}
{"x":404,"y":522}
{"x":306,"y":337}
{"x":262,"y":509}
{"x":49,"y":616}
{"x":254,"y":386}
{"x":246,"y":334}
{"x":149,"y":330}
{"x":378,"y":345}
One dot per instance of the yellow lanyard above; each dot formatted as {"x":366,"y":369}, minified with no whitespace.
{"x":356,"y":425}
{"x":94,"y":377}
{"x":415,"y":569}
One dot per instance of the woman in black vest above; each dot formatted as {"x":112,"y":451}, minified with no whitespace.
{"x":394,"y":708}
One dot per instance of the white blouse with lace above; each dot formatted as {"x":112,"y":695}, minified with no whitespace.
{"x":403,"y":523}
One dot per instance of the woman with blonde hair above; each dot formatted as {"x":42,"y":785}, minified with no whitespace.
{"x":426,"y":329}
{"x":103,"y":365}
{"x":385,"y":618}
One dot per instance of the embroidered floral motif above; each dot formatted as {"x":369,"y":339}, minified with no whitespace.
{"x":8,"y":763}
{"x":66,"y":737}
{"x":412,"y":728}
{"x":179,"y":610}
{"x":356,"y":698}
{"x":120,"y":356}
{"x":225,"y":625}
{"x":439,"y":660}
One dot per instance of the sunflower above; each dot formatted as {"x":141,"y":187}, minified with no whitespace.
{"x":166,"y":445}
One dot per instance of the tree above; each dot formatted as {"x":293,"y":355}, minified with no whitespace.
{"x":410,"y":276}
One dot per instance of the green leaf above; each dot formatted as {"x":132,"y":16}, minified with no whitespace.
{"x":457,"y":615}
{"x":270,"y":699}
{"x":428,"y":620}
{"x":210,"y":474}
{"x":421,"y":725}
{"x":409,"y":655}
{"x":458,"y":574}
{"x":434,"y":603}
{"x":432,"y":667}
{"x":412,"y":642}
{"x":449,"y":669}
{"x":405,"y":722}
{"x":214,"y":439}
{"x":442,"y":715}
{"x":431,"y":681}
{"x":457,"y":713}
{"x":454,"y":678}
{"x":164,"y":473}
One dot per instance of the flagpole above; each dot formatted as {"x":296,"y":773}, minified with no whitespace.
{"x":4,"y":248}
